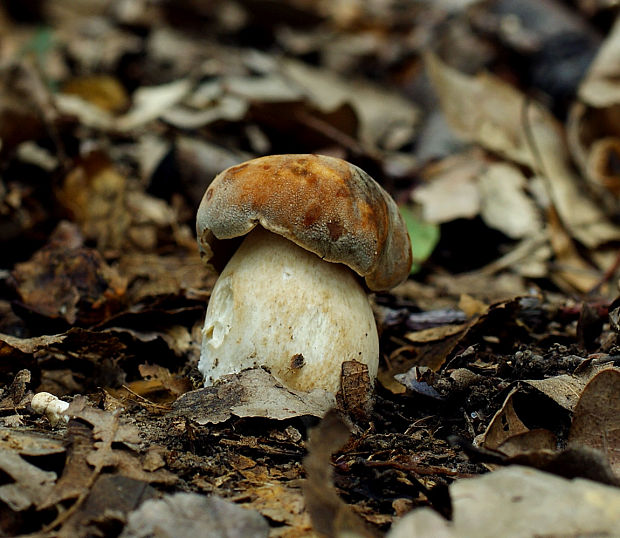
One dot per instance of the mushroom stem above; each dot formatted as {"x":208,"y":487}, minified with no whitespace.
{"x":279,"y":306}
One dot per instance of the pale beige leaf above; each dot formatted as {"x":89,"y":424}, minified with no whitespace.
{"x":601,"y":87}
{"x":505,"y":206}
{"x":490,"y":112}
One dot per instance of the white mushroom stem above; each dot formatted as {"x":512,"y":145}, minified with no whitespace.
{"x":279,"y":306}
{"x":49,"y":405}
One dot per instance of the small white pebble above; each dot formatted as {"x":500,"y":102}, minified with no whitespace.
{"x":49,"y":405}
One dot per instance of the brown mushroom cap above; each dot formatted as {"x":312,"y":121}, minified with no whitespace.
{"x":323,"y":204}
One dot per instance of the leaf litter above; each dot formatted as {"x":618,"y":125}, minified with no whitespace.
{"x":496,"y":405}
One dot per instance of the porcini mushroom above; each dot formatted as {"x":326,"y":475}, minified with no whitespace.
{"x":290,"y":297}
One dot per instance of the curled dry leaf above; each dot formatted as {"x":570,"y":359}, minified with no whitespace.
{"x":593,"y":127}
{"x":14,"y":395}
{"x":564,"y":389}
{"x":504,"y":425}
{"x":600,"y":87}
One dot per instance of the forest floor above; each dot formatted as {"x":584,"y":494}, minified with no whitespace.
{"x":495,"y":127}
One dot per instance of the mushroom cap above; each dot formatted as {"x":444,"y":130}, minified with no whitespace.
{"x":323,"y":204}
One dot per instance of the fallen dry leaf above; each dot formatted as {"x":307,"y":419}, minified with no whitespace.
{"x":504,"y":425}
{"x":283,"y":504}
{"x":104,"y":507}
{"x":596,"y":421}
{"x":94,"y":193}
{"x":504,"y":204}
{"x":486,"y":110}
{"x":600,"y":86}
{"x":450,"y":191}
{"x":190,"y":514}
{"x":329,"y":513}
{"x":104,"y":91}
{"x":355,"y":397}
{"x":251,"y":393}
{"x":518,"y":501}
{"x":565,"y":389}
{"x":28,"y":485}
{"x":69,"y":282}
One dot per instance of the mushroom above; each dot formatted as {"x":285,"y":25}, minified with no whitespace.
{"x":296,"y":233}
{"x":51,"y":406}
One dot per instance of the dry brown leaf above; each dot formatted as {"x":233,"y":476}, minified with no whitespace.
{"x":504,"y":425}
{"x":419,"y":380}
{"x":190,"y":514}
{"x":355,"y":396}
{"x":538,"y":440}
{"x":104,"y":507}
{"x":68,"y":282}
{"x":27,"y":485}
{"x":490,"y":112}
{"x":104,"y":91}
{"x":94,"y":193}
{"x":108,"y":432}
{"x":596,"y":421}
{"x":282,"y":504}
{"x":20,"y":348}
{"x":251,"y":393}
{"x":571,"y":270}
{"x":329,"y":513}
{"x":472,"y":306}
{"x":379,"y":111}
{"x":519,"y":501}
{"x":15,"y":395}
{"x":77,"y":473}
{"x":450,"y":191}
{"x":504,"y":203}
{"x":600,"y":88}
{"x":161,"y":380}
{"x":150,"y":275}
{"x":30,"y":485}
{"x":433,"y":334}
{"x":565,"y":389}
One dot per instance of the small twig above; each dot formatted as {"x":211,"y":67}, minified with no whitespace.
{"x":146,"y":401}
{"x":334,"y":134}
{"x":607,"y":276}
{"x":419,"y":469}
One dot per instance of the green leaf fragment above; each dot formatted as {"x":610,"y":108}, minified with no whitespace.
{"x":424,"y":236}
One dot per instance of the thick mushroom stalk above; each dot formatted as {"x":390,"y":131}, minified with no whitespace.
{"x":279,"y":306}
